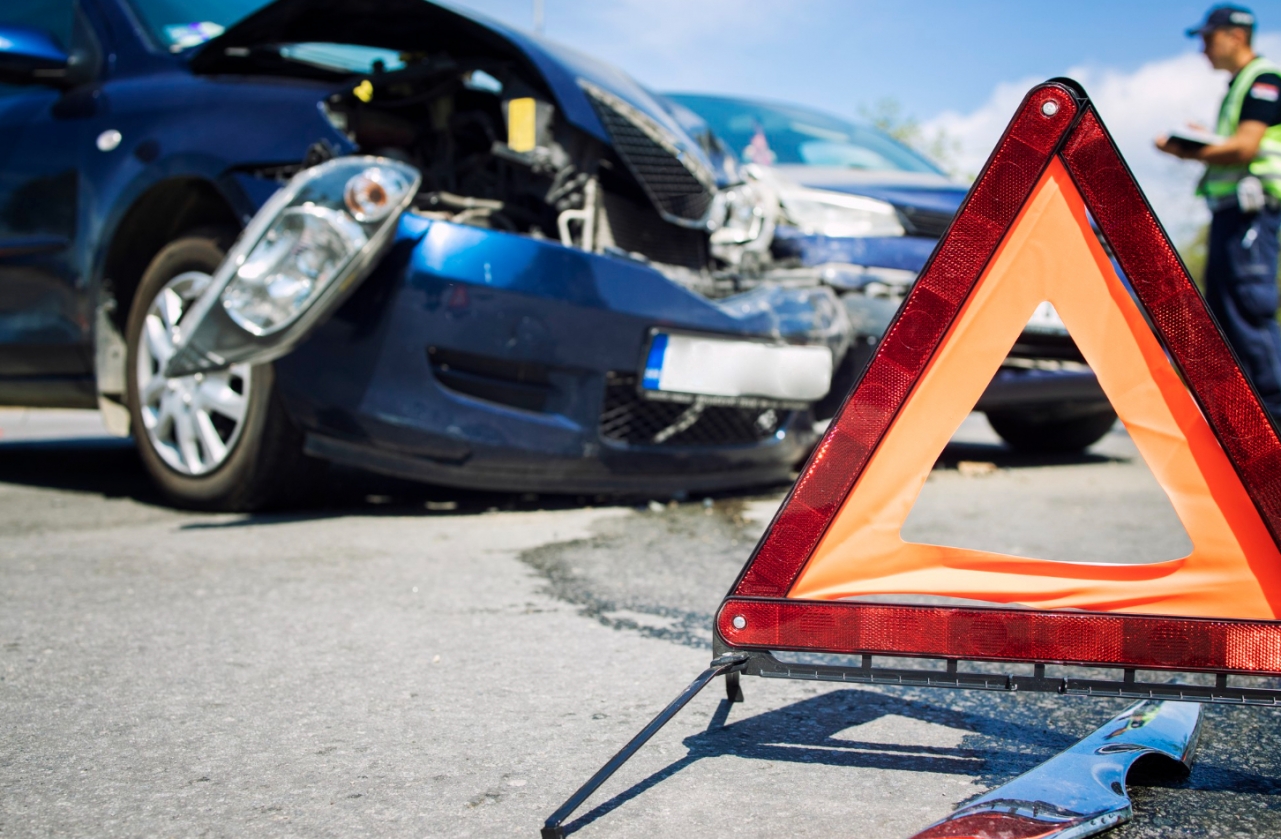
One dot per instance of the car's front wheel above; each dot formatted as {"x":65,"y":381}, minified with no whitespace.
{"x":1047,"y":432}
{"x":218,"y":440}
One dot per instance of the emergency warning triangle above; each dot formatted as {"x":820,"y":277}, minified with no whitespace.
{"x":1024,"y":236}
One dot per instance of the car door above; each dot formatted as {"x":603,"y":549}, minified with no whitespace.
{"x":45,"y":324}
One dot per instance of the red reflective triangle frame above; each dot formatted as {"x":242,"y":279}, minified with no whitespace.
{"x":1056,"y":119}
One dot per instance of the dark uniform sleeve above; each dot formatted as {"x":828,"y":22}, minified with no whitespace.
{"x":1263,"y":100}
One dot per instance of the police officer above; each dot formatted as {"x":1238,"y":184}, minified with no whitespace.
{"x":1242,"y":184}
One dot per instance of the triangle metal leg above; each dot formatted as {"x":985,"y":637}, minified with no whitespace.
{"x":554,"y":828}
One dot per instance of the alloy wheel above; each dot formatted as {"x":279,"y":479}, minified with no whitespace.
{"x":193,"y":422}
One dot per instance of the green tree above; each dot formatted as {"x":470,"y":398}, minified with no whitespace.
{"x":1193,"y":252}
{"x":888,"y":115}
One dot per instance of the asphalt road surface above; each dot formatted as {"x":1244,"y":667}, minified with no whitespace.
{"x":408,"y":661}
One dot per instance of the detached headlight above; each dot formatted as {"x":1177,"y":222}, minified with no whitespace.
{"x":298,"y":259}
{"x":309,"y":244}
{"x":299,"y":255}
{"x":823,"y":213}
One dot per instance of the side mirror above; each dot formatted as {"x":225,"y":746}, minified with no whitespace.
{"x":32,"y":56}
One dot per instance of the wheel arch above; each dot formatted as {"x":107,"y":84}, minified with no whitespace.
{"x":161,"y":213}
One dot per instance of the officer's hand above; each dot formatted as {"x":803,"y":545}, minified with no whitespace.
{"x":1178,"y":150}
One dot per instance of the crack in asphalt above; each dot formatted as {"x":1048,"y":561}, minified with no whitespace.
{"x":690,"y":629}
{"x":628,"y":577}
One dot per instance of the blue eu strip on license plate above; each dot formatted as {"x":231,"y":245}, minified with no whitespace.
{"x":654,"y":362}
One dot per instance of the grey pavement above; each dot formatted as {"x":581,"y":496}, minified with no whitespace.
{"x":411,"y":661}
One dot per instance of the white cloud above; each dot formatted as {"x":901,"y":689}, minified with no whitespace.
{"x":1136,"y":106}
{"x":691,"y":45}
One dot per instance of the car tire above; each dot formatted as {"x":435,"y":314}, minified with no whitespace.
{"x":219,"y":441}
{"x":1037,"y":432}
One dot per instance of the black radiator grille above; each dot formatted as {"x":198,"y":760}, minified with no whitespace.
{"x":636,"y":228}
{"x":627,"y":418}
{"x":674,"y":187}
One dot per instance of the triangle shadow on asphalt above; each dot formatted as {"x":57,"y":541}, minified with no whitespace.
{"x":995,"y":749}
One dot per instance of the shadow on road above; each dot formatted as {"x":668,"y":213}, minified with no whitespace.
{"x":110,"y":467}
{"x":1006,"y":458}
{"x":104,"y":466}
{"x":808,"y":732}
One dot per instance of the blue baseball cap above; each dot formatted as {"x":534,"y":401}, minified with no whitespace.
{"x":1222,"y":16}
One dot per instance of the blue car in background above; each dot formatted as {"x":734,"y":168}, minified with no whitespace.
{"x":867,"y":211}
{"x":386,"y":233}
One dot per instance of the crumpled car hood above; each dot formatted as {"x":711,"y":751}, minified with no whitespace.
{"x":418,"y":25}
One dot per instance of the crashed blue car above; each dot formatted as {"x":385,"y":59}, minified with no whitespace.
{"x":393,"y":235}
{"x":867,"y":211}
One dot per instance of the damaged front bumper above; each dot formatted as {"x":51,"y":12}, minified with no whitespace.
{"x":483,"y":359}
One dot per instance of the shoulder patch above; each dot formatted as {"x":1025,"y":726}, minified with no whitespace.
{"x":1266,"y":92}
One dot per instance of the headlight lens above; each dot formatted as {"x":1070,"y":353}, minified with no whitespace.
{"x":822,"y":213}
{"x":310,"y":243}
{"x":299,"y":255}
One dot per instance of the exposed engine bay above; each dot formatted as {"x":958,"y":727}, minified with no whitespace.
{"x":586,"y":158}
{"x":494,"y":153}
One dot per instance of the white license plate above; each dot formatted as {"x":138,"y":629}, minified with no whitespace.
{"x":702,"y":366}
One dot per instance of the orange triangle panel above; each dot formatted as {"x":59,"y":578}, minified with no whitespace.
{"x":1024,"y":236}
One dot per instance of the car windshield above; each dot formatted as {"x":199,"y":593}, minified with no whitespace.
{"x":181,"y":24}
{"x":786,"y":134}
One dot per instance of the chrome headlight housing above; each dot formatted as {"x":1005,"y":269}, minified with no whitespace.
{"x":825,"y":213}
{"x":299,"y":256}
{"x":308,"y":247}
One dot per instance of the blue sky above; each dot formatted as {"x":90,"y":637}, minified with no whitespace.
{"x":932,"y":56}
{"x":960,"y":68}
